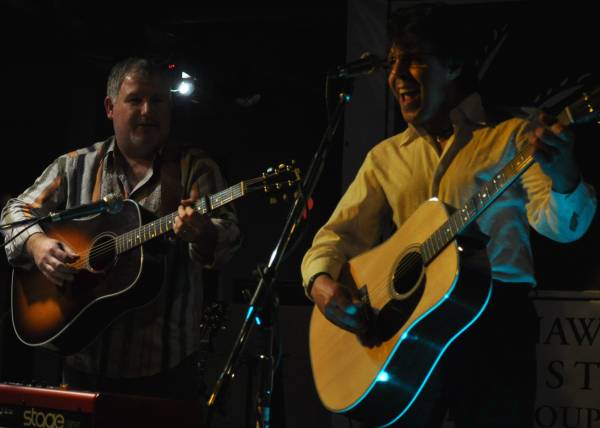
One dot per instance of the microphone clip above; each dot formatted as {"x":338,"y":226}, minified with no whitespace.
{"x":111,"y":203}
{"x":365,"y":65}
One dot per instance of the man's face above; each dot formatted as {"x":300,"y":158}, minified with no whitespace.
{"x":420,"y":82}
{"x":141,"y":114}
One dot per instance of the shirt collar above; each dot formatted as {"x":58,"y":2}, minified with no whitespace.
{"x":469,"y":111}
{"x":111,"y":151}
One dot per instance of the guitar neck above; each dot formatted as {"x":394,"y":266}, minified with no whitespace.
{"x":583,"y":110}
{"x":477,"y":204}
{"x":266,"y":183}
{"x":165,"y":224}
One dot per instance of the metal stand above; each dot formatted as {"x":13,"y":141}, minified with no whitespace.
{"x":263,"y":305}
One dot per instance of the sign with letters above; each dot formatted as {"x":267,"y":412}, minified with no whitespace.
{"x":568,"y":356}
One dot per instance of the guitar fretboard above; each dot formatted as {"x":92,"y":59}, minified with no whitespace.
{"x":476,"y":204}
{"x":165,"y":224}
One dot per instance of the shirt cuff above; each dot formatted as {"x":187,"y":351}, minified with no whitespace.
{"x":578,"y":197}
{"x":576,"y":208}
{"x":317,"y":267}
{"x":311,"y":281}
{"x":16,"y":250}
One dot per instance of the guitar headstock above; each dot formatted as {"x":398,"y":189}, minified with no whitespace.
{"x":276,"y":179}
{"x":585,"y":109}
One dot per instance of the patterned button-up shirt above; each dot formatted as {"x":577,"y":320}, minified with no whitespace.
{"x":162,"y":333}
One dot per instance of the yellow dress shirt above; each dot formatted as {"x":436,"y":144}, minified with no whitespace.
{"x":403,"y":171}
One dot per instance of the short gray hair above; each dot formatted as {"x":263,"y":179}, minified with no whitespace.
{"x":131,"y":65}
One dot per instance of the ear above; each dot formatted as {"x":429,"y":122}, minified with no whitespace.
{"x":108,"y":107}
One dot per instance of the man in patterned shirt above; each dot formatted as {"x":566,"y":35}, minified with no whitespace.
{"x":151,"y":350}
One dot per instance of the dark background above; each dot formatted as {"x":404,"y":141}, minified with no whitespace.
{"x":56,"y":57}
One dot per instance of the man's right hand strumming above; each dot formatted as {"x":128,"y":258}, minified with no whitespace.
{"x":52,"y":257}
{"x":339,"y":304}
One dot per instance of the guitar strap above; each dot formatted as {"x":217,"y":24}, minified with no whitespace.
{"x":170,"y":179}
{"x":96,"y":192}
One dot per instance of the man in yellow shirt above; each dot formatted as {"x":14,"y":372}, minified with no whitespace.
{"x":452,"y":146}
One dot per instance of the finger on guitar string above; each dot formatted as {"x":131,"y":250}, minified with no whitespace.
{"x":554,"y":150}
{"x":192,"y":226}
{"x":65,"y":255}
{"x":49,"y":272}
{"x":70,"y":256}
{"x":183,"y":221}
{"x":51,"y":257}
{"x":57,"y":270}
{"x":552,"y":133}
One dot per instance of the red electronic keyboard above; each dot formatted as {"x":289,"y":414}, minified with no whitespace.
{"x":27,"y":406}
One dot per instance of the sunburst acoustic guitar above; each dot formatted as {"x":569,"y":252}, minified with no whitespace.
{"x":113,"y":274}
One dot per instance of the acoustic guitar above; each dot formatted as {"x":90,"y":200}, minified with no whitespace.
{"x":114,"y":273}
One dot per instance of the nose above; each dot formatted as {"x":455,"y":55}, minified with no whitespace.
{"x":398,"y":69}
{"x":146,"y":107}
{"x":394,"y":74}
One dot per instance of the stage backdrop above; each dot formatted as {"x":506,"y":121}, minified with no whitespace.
{"x":568,"y":359}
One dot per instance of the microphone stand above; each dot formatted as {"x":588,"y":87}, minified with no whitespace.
{"x":110,"y":203}
{"x":18,"y":223}
{"x":263,"y":304}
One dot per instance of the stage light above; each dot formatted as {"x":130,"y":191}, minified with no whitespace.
{"x":185,"y":85}
{"x":185,"y":88}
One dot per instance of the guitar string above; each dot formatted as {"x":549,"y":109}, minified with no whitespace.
{"x":523,"y":159}
{"x":377,"y":291}
{"x":519,"y":163}
{"x":109,"y":247}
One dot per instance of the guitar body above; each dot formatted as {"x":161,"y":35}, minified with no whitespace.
{"x":66,"y":318}
{"x":420,"y":309}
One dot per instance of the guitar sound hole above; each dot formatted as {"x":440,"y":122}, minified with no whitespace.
{"x":408,"y":274}
{"x":103,"y":253}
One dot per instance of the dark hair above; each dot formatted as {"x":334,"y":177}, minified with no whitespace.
{"x":143,"y":66}
{"x":440,"y":29}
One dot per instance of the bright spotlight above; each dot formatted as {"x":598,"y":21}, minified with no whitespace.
{"x":185,"y":86}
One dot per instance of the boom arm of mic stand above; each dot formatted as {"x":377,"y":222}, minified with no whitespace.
{"x":263,"y":290}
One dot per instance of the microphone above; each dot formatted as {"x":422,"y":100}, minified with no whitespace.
{"x":111,"y":203}
{"x":367,"y":64}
